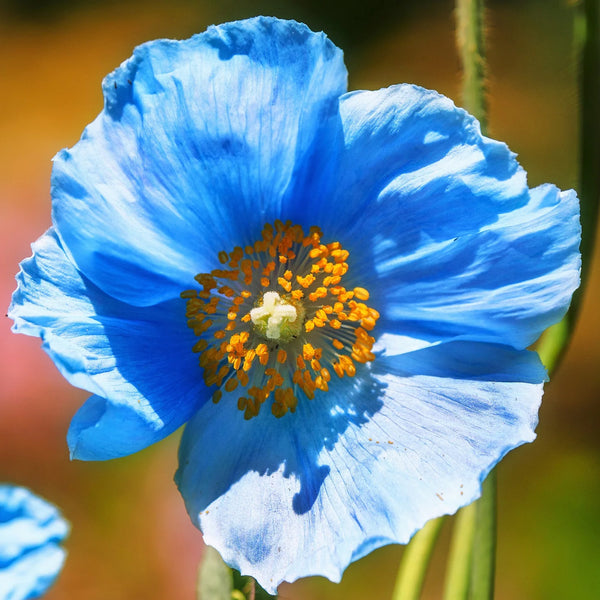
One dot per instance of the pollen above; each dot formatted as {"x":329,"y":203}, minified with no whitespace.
{"x":275,"y":322}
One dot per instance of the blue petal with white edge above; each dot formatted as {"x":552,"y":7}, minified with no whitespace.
{"x":30,"y":533}
{"x":450,"y":241}
{"x":138,"y":359}
{"x":364,"y":465}
{"x":197,"y":146}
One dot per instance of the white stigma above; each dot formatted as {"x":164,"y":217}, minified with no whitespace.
{"x":276,"y":312}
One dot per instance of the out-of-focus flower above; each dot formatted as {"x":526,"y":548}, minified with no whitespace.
{"x":352,"y":278}
{"x":30,"y":532}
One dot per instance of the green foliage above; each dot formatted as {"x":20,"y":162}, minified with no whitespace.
{"x":216,"y":581}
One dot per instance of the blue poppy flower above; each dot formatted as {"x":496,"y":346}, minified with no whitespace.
{"x":30,"y":531}
{"x":334,"y":290}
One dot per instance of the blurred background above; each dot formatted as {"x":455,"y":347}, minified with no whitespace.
{"x":131,"y":538}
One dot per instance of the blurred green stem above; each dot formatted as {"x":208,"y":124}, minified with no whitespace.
{"x":471,"y":564}
{"x":415,"y":562}
{"x":483,"y":562}
{"x":459,"y":557}
{"x":471,"y":49}
{"x":587,"y":52}
{"x":587,"y":47}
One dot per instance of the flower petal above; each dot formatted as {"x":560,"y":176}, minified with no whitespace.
{"x":364,"y":465}
{"x":30,"y":530}
{"x":197,"y":146}
{"x":448,"y":237}
{"x":139,"y":359}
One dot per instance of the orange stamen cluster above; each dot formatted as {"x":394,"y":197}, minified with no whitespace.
{"x":331,"y":332}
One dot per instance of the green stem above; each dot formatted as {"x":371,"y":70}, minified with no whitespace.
{"x":415,"y":562}
{"x":471,"y":563}
{"x":587,"y":41}
{"x":471,"y":50}
{"x":483,"y":565}
{"x":459,"y":558}
{"x":553,"y":343}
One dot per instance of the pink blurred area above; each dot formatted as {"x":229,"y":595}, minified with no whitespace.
{"x":131,"y":537}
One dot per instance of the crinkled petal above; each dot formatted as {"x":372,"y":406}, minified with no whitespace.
{"x":30,"y":531}
{"x":138,"y":359}
{"x":441,"y":225}
{"x":364,"y":465}
{"x":196,"y":148}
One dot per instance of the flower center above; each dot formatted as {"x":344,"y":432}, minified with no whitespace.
{"x":277,"y":321}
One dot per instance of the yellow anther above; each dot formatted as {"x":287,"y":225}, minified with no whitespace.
{"x":200,"y":346}
{"x":269,"y":268}
{"x":320,"y":292}
{"x":325,"y":374}
{"x":278,"y":410}
{"x":309,"y":326}
{"x":265,"y":282}
{"x":202,"y":327}
{"x":305,"y":281}
{"x":246,"y":266}
{"x":339,"y":270}
{"x":217,"y":396}
{"x":248,"y":360}
{"x":243,"y":378}
{"x":368,"y":323}
{"x":337,"y":367}
{"x":286,"y":285}
{"x":308,"y":352}
{"x":335,"y":323}
{"x":321,"y":314}
{"x":188,"y":294}
{"x":261,"y":349}
{"x":231,"y":384}
{"x":222,"y":257}
{"x":361,"y":293}
{"x":226,"y":291}
{"x":281,"y":356}
{"x":321,"y":384}
{"x":337,"y":344}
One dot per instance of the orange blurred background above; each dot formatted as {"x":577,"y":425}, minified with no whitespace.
{"x":131,"y":537}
